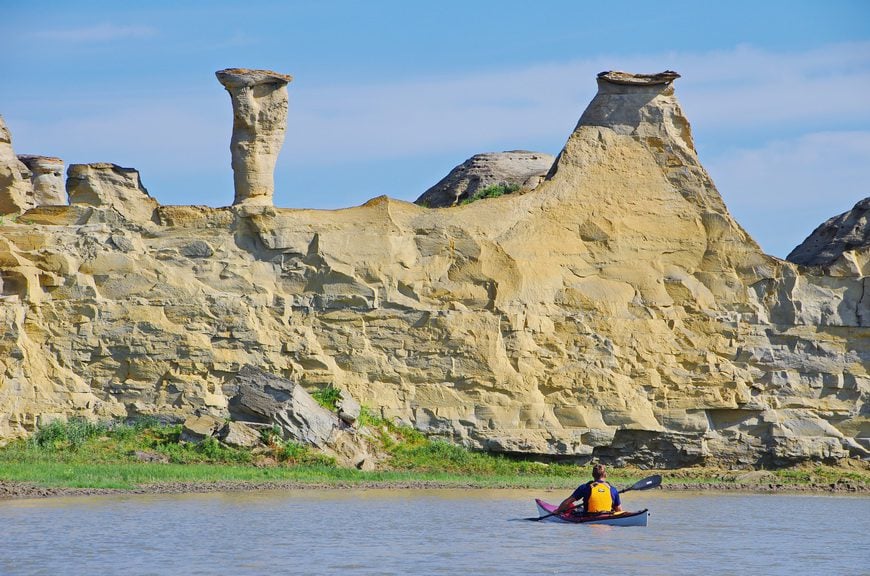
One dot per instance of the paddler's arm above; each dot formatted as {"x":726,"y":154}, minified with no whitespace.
{"x":566,"y":505}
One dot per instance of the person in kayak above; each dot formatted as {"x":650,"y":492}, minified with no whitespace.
{"x":598,"y":496}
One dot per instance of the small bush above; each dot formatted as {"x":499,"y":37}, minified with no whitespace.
{"x":327,"y":397}
{"x":71,"y":434}
{"x":271,"y":436}
{"x":295,"y":453}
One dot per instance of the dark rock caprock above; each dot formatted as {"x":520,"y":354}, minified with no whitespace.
{"x":518,"y":168}
{"x":841,"y":244}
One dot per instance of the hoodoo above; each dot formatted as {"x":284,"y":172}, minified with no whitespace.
{"x":259,"y":122}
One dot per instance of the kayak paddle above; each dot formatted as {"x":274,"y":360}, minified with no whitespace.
{"x":644,"y":484}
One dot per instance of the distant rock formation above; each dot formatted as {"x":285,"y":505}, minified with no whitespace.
{"x":46,"y":178}
{"x":841,"y":245}
{"x":110,"y":185}
{"x":517,"y":167}
{"x":16,"y":192}
{"x":259,"y":100}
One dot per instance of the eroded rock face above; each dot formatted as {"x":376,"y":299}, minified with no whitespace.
{"x":616,"y":312}
{"x":16,"y":192}
{"x":841,"y":245}
{"x":518,"y":167}
{"x":46,"y":177}
{"x":259,"y":100}
{"x":111,"y":186}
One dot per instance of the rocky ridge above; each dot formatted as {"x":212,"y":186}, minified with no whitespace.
{"x":518,"y":168}
{"x":617,"y":312}
{"x":840,"y":245}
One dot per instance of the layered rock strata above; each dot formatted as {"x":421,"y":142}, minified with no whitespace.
{"x":617,"y":312}
{"x":16,"y":192}
{"x":840,"y":245}
{"x":518,"y":168}
{"x":110,"y":186}
{"x":259,"y":100}
{"x":46,"y":178}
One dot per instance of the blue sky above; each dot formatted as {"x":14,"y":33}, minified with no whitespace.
{"x":388,"y":96}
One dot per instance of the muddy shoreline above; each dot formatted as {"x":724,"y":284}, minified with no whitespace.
{"x":24,"y":490}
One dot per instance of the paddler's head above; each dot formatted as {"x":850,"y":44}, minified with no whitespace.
{"x":599,"y":472}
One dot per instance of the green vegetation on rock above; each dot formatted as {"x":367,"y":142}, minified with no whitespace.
{"x":493,"y":191}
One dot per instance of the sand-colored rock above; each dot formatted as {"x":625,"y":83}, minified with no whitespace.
{"x":841,"y":245}
{"x":110,"y":186}
{"x":517,"y":167}
{"x":260,"y":102}
{"x":616,"y":312}
{"x":46,"y":177}
{"x":16,"y":192}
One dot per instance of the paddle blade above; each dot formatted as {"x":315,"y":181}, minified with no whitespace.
{"x":646,"y":483}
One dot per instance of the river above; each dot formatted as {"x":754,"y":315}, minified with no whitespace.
{"x":373,"y":531}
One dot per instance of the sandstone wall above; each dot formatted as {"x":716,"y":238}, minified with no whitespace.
{"x":616,"y":312}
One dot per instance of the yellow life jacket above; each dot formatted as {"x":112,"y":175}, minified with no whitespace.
{"x":600,"y":499}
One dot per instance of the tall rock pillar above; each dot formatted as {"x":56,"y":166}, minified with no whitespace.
{"x":259,"y":122}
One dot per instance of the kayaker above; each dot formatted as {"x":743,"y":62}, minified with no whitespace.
{"x":598,"y":496}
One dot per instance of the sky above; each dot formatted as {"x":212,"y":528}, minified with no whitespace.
{"x":389,"y":96}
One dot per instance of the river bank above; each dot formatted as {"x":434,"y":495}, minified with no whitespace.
{"x":146,"y":457}
{"x":17,"y":489}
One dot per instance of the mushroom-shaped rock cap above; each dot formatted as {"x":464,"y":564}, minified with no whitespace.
{"x":240,"y":77}
{"x":629,"y":79}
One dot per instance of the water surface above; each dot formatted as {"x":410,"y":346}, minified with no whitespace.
{"x":429,"y":532}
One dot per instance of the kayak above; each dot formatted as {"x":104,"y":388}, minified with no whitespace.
{"x":638,"y":518}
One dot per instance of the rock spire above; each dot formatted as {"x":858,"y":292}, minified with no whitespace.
{"x":259,"y":100}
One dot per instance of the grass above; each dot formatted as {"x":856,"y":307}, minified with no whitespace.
{"x":493,"y":191}
{"x":327,"y":397}
{"x":84,"y":454}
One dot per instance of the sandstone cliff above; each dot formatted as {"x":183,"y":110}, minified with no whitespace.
{"x":617,"y":311}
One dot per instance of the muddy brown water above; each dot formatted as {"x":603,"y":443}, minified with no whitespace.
{"x":433,"y":531}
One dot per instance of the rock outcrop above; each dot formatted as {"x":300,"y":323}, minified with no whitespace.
{"x":110,"y":186}
{"x":617,"y":312}
{"x":260,"y":397}
{"x":16,"y":192}
{"x":259,"y":100}
{"x":517,"y":167}
{"x":840,"y":245}
{"x":46,"y":177}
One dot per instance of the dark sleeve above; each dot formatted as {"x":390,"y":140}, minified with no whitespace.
{"x":581,"y":492}
{"x":614,"y":493}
